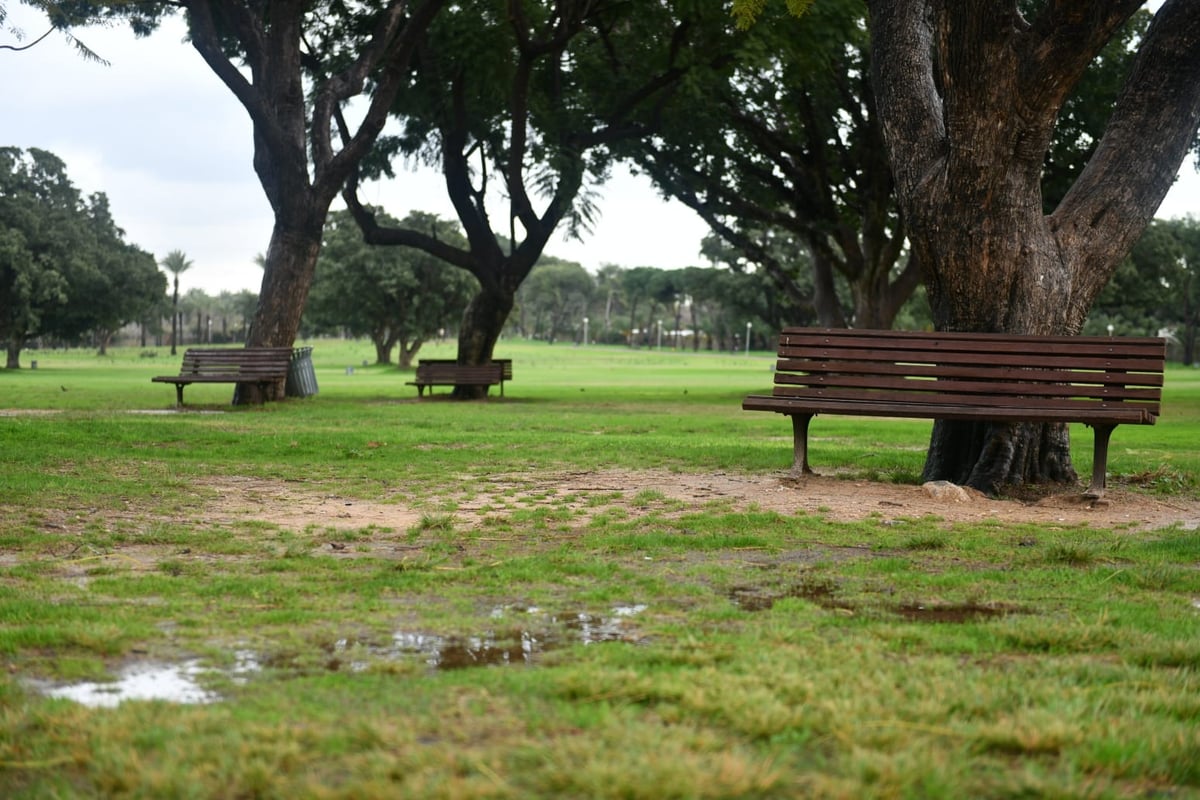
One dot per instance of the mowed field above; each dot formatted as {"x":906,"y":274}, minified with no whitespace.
{"x":602,"y":584}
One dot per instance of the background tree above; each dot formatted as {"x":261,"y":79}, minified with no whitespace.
{"x":113,"y":284}
{"x":293,"y":66}
{"x":534,"y":94}
{"x":969,"y":94}
{"x":1156,"y":289}
{"x":608,"y":292}
{"x":65,"y":269}
{"x":39,"y":220}
{"x":785,"y":162}
{"x":554,"y":299}
{"x":393,"y":295}
{"x":175,"y":262}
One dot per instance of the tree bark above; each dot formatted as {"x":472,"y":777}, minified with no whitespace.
{"x":481,"y":326}
{"x":969,"y":94}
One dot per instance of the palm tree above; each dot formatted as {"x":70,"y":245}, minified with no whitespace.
{"x":175,"y":262}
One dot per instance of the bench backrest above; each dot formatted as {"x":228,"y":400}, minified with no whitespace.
{"x":505,"y":363}
{"x":972,"y":369}
{"x":449,"y":372}
{"x":256,"y":362}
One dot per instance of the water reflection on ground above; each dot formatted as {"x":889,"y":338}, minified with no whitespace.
{"x":176,"y":683}
{"x":515,"y":645}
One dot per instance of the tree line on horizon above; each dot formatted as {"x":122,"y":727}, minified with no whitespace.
{"x":399,"y":298}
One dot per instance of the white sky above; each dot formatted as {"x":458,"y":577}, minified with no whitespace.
{"x":161,"y":136}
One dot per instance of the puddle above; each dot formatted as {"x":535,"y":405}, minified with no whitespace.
{"x":175,"y":683}
{"x":751,"y":598}
{"x":952,"y":613}
{"x":517,"y":646}
{"x":454,"y":652}
{"x":179,"y":683}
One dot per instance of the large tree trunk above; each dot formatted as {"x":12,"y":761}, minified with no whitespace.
{"x":482,"y":323}
{"x":969,"y":94}
{"x":13,"y":353}
{"x":291,"y":261}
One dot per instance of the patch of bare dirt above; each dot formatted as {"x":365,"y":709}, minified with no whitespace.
{"x":295,"y":505}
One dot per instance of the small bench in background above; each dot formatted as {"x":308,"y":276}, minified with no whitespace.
{"x":450,"y":373}
{"x":257,"y":365}
{"x":506,"y":363}
{"x":1099,"y":381}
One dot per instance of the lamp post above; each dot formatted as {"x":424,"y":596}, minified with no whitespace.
{"x":748,"y":326}
{"x":585,"y":321}
{"x":660,"y":334}
{"x":1110,"y":329}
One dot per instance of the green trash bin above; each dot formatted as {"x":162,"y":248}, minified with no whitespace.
{"x":301,"y":378}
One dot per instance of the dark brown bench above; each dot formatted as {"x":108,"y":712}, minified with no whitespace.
{"x":257,"y":365}
{"x":1099,"y":381}
{"x":450,"y":373}
{"x":506,"y":363}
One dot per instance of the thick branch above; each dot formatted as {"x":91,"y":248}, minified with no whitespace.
{"x":1148,"y":135}
{"x":909,"y":105}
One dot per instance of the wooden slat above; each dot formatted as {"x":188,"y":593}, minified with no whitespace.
{"x":790,"y":383}
{"x":1136,"y":362}
{"x":998,"y":372}
{"x":1089,"y":414}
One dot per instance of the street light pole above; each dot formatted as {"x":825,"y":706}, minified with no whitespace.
{"x":585,"y":321}
{"x":748,"y":338}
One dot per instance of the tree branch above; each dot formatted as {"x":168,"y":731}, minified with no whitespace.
{"x":1149,"y":133}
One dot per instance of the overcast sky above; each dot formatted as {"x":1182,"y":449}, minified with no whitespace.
{"x":161,"y":136}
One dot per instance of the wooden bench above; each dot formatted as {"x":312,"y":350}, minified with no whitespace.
{"x":450,"y":373}
{"x":1095,"y":380}
{"x":506,"y":363}
{"x":257,"y":365}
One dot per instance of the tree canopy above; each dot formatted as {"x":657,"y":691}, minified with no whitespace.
{"x":528,"y":98}
{"x":65,"y":268}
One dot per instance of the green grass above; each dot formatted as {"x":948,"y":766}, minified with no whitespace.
{"x":625,"y":643}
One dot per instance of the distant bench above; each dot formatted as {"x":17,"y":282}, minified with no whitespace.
{"x":258,"y":365}
{"x":445,"y":372}
{"x":1095,"y":380}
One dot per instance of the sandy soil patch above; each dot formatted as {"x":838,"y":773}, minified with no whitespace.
{"x":295,"y":505}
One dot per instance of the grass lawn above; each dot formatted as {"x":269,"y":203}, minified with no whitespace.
{"x":601,"y":585}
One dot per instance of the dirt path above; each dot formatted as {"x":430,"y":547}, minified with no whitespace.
{"x":295,"y":505}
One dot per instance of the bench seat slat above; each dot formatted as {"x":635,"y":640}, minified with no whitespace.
{"x":1033,"y":412}
{"x":793,"y":384}
{"x":970,"y":342}
{"x":1124,"y":376}
{"x":1021,"y":360}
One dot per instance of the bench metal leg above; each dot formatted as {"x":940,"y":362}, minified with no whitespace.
{"x":1099,"y":460}
{"x":800,"y":444}
{"x":179,"y":395}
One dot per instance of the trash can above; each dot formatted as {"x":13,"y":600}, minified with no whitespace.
{"x":301,"y":379}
